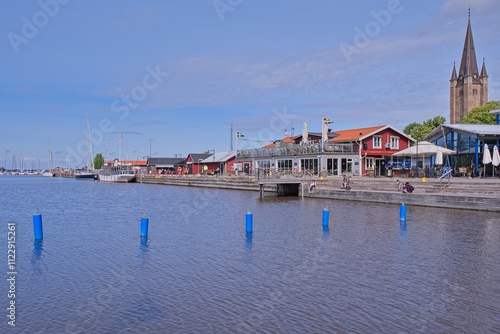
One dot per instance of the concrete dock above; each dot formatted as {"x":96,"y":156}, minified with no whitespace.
{"x":456,"y":193}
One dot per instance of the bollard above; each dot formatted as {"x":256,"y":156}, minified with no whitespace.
{"x":402,"y":213}
{"x":249,"y":222}
{"x":326,"y":217}
{"x":144,"y":227}
{"x":37,"y":226}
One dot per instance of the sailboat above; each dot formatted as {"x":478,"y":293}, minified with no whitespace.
{"x":50,"y":173}
{"x":87,"y":175}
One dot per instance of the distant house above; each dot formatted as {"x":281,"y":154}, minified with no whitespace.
{"x":221,"y":163}
{"x":165,"y":165}
{"x":375,"y":146}
{"x":193,"y":162}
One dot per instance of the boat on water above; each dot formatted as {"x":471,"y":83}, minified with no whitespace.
{"x":117,"y":172}
{"x":48,"y":174}
{"x":85,"y":175}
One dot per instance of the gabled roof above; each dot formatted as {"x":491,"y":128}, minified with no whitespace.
{"x":220,"y":157}
{"x":166,"y":161}
{"x":363,"y":133}
{"x":354,"y":134}
{"x":199,"y":156}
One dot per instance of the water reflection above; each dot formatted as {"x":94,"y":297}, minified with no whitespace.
{"x":36,"y":255}
{"x":249,"y":241}
{"x":144,"y":244}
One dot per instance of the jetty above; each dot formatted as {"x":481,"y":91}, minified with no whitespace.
{"x":455,"y":192}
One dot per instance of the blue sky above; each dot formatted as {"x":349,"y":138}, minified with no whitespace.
{"x":180,"y":72}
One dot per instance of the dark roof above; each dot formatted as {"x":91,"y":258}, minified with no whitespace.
{"x":483,"y":70}
{"x":454,"y":73}
{"x":199,"y":156}
{"x":468,"y":65}
{"x":166,"y":161}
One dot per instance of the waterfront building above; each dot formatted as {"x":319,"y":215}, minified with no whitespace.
{"x":223,"y":163}
{"x":165,"y":165}
{"x":356,"y":152}
{"x":468,"y":87}
{"x":468,"y":141}
{"x":193,"y":162}
{"x":375,"y":146}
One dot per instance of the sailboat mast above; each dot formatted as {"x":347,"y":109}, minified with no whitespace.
{"x":89,"y":143}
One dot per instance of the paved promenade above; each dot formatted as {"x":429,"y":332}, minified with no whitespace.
{"x":460,"y":193}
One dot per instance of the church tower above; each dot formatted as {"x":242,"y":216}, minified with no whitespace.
{"x":468,"y":89}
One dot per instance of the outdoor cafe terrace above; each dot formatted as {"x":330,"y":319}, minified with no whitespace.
{"x":287,"y":149}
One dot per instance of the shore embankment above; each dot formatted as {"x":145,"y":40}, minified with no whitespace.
{"x":459,"y":193}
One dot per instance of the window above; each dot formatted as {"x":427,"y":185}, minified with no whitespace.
{"x":395,"y":142}
{"x":377,"y":142}
{"x":369,"y":163}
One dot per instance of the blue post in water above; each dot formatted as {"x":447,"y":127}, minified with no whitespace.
{"x":402,"y":213}
{"x":37,"y":226}
{"x":326,"y":217}
{"x":144,"y":227}
{"x":249,"y":222}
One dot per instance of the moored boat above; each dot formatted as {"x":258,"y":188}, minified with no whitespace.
{"x":116,"y":172}
{"x":85,"y":176}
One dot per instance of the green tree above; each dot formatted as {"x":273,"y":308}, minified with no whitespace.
{"x":419,"y":130}
{"x":98,"y":161}
{"x":481,"y":114}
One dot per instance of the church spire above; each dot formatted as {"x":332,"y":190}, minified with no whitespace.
{"x":483,"y":70}
{"x":454,"y":73}
{"x":468,"y":65}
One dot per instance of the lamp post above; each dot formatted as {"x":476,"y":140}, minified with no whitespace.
{"x":150,"y":140}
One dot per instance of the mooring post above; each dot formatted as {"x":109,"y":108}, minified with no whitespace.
{"x":37,"y":226}
{"x":249,"y":222}
{"x":144,"y":227}
{"x":326,"y":217}
{"x":402,"y":213}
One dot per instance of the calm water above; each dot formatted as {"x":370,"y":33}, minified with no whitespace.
{"x":200,"y":273}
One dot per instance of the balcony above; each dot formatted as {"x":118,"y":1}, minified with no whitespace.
{"x":290,"y":149}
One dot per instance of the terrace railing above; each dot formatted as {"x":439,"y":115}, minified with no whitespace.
{"x":296,"y":149}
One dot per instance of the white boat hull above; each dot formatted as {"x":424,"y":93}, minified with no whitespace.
{"x":121,"y":178}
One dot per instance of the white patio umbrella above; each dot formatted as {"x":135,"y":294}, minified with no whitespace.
{"x":423,"y":148}
{"x":496,"y":158}
{"x":486,"y":157}
{"x":305,"y":133}
{"x":439,"y":158}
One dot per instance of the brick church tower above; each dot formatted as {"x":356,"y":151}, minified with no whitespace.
{"x":468,"y":89}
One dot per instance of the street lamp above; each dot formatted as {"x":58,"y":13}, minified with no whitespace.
{"x":150,"y":140}
{"x":199,"y":160}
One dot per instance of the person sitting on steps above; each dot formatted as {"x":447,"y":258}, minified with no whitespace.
{"x":345,"y":183}
{"x":408,"y":188}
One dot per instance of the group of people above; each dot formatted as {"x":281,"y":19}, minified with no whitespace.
{"x":405,"y":187}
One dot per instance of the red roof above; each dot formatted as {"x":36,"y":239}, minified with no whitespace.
{"x":289,"y":139}
{"x":354,"y":134}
